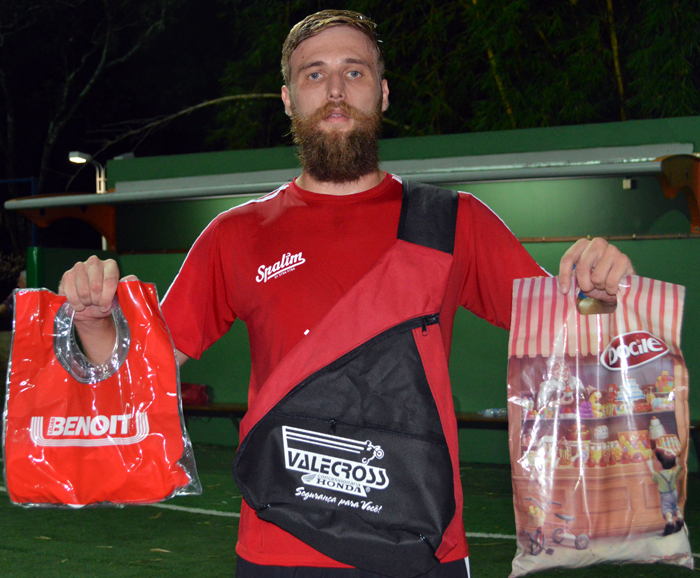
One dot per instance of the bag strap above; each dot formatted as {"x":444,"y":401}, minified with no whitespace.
{"x":428,"y":216}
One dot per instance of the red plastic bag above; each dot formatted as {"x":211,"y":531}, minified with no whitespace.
{"x":598,"y":427}
{"x":79,"y":434}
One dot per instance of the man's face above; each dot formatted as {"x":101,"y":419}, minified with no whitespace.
{"x":337,"y":65}
{"x":335,"y":100}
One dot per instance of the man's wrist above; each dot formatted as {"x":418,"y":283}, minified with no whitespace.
{"x":96,"y":337}
{"x":94,"y":325}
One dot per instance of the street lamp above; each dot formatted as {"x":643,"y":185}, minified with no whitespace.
{"x":82,"y":158}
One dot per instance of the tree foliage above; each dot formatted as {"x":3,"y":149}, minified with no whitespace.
{"x":53,"y":53}
{"x":664,"y":68}
{"x":478,"y":65}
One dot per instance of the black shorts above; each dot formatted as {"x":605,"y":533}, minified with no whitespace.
{"x":245,"y":569}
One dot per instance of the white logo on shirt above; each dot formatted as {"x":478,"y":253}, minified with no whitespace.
{"x":287,"y":263}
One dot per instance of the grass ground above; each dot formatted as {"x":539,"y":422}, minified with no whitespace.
{"x":149,"y":542}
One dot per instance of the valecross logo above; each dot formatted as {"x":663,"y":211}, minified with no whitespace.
{"x":287,"y":263}
{"x":632,"y":349}
{"x":344,"y":465}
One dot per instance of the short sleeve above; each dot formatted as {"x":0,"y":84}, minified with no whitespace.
{"x":197,"y":307}
{"x":493,"y":258}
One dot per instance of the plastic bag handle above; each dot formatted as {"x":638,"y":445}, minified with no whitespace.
{"x":74,"y":361}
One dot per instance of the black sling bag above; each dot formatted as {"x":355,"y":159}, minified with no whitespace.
{"x":351,"y":456}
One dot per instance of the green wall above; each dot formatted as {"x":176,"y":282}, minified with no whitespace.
{"x":614,"y":134}
{"x":580,"y":207}
{"x":552,"y":208}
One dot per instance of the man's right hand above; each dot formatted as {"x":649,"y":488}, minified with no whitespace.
{"x":90,"y":288}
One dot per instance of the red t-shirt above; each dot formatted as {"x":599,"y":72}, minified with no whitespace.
{"x":281,"y":262}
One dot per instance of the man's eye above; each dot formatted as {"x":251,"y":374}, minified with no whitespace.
{"x":354,"y":74}
{"x":315,"y":75}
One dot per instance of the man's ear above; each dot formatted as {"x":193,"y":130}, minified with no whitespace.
{"x":286,"y":100}
{"x":385,"y":94}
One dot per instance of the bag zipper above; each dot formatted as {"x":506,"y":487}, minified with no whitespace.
{"x":423,"y":321}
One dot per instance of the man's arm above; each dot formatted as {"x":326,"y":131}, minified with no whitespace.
{"x":599,"y":267}
{"x":90,"y":288}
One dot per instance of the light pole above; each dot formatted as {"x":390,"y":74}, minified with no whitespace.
{"x":82,"y":158}
{"x":100,"y":180}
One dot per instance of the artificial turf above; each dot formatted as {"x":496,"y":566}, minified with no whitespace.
{"x":128,"y":542}
{"x":153,"y":542}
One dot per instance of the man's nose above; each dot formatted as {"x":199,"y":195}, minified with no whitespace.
{"x":336,"y":87}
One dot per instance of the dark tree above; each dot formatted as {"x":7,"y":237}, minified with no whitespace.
{"x":479,"y":65}
{"x":53,"y":53}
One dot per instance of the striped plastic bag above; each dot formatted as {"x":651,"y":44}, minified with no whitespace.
{"x":598,"y":427}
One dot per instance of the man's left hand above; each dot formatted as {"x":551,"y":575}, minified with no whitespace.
{"x":599,"y":268}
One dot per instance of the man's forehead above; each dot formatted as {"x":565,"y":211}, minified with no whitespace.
{"x":335,"y":43}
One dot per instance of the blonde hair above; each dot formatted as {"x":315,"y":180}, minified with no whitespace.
{"x":318,"y":22}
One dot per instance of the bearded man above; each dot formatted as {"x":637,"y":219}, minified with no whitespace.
{"x":348,"y":280}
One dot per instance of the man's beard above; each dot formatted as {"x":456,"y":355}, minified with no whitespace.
{"x":338,"y":156}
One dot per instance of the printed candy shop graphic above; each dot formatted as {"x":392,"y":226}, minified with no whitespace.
{"x":598,"y":427}
{"x":334,"y":469}
{"x":73,"y":431}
